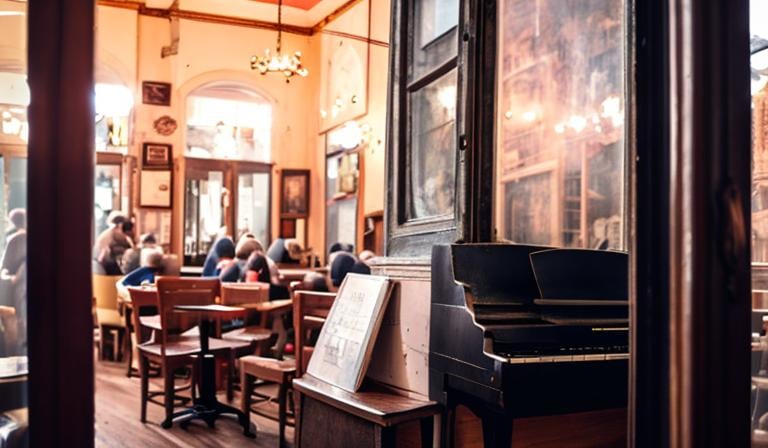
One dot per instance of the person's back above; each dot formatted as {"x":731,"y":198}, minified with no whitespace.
{"x":112,"y":243}
{"x":222,"y":249}
{"x":15,"y":253}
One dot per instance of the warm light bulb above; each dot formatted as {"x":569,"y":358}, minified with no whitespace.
{"x":577,"y":122}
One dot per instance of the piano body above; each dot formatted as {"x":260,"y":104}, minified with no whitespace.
{"x":505,"y":349}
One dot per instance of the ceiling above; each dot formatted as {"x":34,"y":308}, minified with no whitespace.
{"x":304,"y":13}
{"x":306,"y":5}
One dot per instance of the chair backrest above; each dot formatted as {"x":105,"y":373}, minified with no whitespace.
{"x":239,"y":293}
{"x":105,"y":290}
{"x":310,"y":309}
{"x":172,"y":291}
{"x":144,"y":303}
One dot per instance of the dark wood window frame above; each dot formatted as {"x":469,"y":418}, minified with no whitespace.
{"x":408,"y":237}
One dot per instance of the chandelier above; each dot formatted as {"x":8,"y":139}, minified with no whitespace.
{"x":288,"y":65}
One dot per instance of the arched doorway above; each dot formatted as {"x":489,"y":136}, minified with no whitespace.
{"x":227,"y":180}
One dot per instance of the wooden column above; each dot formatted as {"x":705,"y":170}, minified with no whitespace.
{"x":692,"y":253}
{"x":61,"y":158}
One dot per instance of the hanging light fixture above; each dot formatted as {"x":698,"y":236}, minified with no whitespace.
{"x":288,"y":65}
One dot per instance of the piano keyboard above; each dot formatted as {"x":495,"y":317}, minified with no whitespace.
{"x":565,"y":358}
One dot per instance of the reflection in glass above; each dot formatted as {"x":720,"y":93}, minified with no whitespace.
{"x":253,"y":205}
{"x":560,"y":145}
{"x":14,"y":132}
{"x":438,"y":16}
{"x":435,"y":35}
{"x":759,"y":88}
{"x":433,"y":148}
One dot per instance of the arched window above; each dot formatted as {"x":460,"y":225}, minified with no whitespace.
{"x":113,"y":105}
{"x":227,"y":120}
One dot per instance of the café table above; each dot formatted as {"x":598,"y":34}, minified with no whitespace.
{"x":207,"y":407}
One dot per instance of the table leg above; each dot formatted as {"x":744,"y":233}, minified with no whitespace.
{"x":207,"y":407}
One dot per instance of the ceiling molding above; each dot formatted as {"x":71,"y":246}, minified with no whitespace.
{"x":248,"y":23}
{"x":334,"y":15}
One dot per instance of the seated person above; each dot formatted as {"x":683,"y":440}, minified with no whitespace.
{"x":112,"y":243}
{"x":366,"y":256}
{"x":235,"y":271}
{"x":137,"y":256}
{"x":313,"y":281}
{"x":257,"y":269}
{"x":341,"y":265}
{"x":341,"y":247}
{"x":157,"y":265}
{"x":287,"y":251}
{"x":360,"y":268}
{"x":222,"y":250}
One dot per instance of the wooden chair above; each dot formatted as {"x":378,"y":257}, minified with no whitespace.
{"x":108,"y":318}
{"x":234,"y":294}
{"x":310,"y":309}
{"x":309,"y":312}
{"x":144,"y":316}
{"x":174,"y":349}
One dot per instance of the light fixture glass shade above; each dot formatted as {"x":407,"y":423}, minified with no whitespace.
{"x":289,"y":65}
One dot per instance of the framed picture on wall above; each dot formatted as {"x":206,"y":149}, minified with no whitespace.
{"x":156,"y":189}
{"x":157,"y":156}
{"x":294,"y":194}
{"x":156,"y":93}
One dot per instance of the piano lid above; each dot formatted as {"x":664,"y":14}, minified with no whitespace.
{"x":581,"y":276}
{"x":496,"y":273}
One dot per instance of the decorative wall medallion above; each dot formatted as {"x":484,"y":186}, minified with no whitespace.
{"x":165,"y":125}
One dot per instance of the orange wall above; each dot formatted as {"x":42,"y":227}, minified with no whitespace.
{"x":129,"y":52}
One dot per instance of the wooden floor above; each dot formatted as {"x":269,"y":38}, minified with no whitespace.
{"x":118,"y":425}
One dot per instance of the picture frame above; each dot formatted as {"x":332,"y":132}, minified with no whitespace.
{"x":156,"y":93}
{"x":157,"y":156}
{"x":294,"y":193}
{"x":156,"y":189}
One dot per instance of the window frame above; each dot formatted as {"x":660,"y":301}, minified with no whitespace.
{"x":414,"y":237}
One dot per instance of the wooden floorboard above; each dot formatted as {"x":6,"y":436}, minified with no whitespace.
{"x":118,"y":425}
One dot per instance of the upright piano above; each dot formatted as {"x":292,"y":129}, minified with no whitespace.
{"x":522,"y":331}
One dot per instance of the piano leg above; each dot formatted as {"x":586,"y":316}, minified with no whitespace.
{"x":447,"y":426}
{"x":427,"y":431}
{"x":497,"y":431}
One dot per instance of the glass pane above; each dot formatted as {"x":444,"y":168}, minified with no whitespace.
{"x":435,"y":37}
{"x":113,"y":104}
{"x":203,"y":216}
{"x":341,"y":222}
{"x":229,"y":123}
{"x":433,"y":148}
{"x":14,"y":131}
{"x":253,"y":205}
{"x":106,"y":194}
{"x":561,"y":140}
{"x":759,"y":65}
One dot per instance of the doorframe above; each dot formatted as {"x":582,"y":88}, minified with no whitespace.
{"x":60,"y":51}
